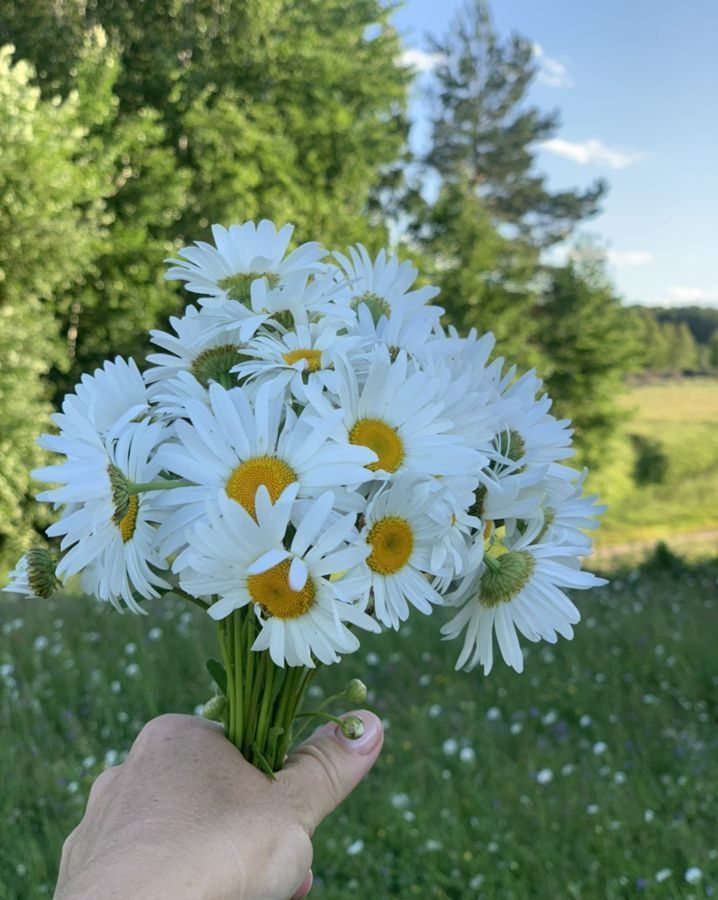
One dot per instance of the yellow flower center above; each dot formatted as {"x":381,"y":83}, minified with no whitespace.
{"x":313,"y":358}
{"x":382,"y":439}
{"x":128,"y":522}
{"x":391,"y":540}
{"x":273,"y":473}
{"x":271,"y":590}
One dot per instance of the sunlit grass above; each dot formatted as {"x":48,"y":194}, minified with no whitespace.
{"x":682,"y":417}
{"x":585,"y":777}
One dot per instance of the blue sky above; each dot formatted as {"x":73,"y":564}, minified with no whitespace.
{"x":636,"y":84}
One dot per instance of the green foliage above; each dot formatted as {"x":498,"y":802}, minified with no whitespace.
{"x":51,"y":224}
{"x":484,"y":278}
{"x":453,"y":808}
{"x":681,"y":416}
{"x":487,"y":134}
{"x":589,"y":346}
{"x":713,"y":350}
{"x":665,"y":345}
{"x":651,"y":465}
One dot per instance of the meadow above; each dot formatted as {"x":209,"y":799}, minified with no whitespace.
{"x":592,"y":775}
{"x":679,"y":417}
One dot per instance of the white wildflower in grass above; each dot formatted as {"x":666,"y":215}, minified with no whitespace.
{"x":243,"y":254}
{"x":243,"y":559}
{"x":109,"y":536}
{"x":310,"y":455}
{"x":235,"y":446}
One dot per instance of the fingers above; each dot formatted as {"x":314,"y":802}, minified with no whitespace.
{"x":326,"y":768}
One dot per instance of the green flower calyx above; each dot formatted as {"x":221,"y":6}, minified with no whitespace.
{"x":239,"y":286}
{"x":504,"y":576}
{"x":41,"y":572}
{"x":376,"y":305}
{"x":215,"y":364}
{"x":511,"y":445}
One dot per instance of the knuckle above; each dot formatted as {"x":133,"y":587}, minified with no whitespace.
{"x":101,"y":783}
{"x":157,"y":731}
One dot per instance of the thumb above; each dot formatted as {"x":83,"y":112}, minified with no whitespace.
{"x":328,"y":766}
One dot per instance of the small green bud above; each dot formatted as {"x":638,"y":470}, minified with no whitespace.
{"x":352,"y":727}
{"x":214,"y":708}
{"x":355,"y":691}
{"x":41,"y":572}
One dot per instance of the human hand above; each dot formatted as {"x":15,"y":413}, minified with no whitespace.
{"x":185,"y":816}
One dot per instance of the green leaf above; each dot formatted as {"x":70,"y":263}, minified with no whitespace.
{"x":219,"y":676}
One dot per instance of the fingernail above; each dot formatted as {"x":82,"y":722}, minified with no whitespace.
{"x":368,"y":741}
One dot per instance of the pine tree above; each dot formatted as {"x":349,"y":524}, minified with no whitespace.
{"x":590,"y":343}
{"x":485,"y":279}
{"x":487,"y":134}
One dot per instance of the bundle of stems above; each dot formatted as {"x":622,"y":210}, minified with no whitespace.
{"x":263,"y":700}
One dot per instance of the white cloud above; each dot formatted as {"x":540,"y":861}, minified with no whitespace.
{"x":420,"y":59}
{"x":591,"y":152}
{"x":551,"y":72}
{"x":630,"y":257}
{"x":692,"y":295}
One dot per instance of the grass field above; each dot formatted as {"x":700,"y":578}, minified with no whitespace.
{"x":593,"y":775}
{"x":681,"y":417}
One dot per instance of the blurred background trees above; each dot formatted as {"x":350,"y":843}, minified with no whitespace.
{"x":127,"y":128}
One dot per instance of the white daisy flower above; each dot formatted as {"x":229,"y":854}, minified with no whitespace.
{"x":235,"y":445}
{"x":243,"y":254}
{"x":528,"y":435}
{"x":561,"y":513}
{"x":102,"y":403}
{"x":198,"y":346}
{"x":383,"y":285}
{"x":321,"y":296}
{"x":108,"y":535}
{"x":303,"y":355}
{"x":387,"y":311}
{"x":399,"y":414}
{"x":243,"y":559}
{"x":399,"y":536}
{"x":519,"y":589}
{"x":34,"y":575}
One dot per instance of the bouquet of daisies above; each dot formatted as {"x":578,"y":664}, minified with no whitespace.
{"x":310,"y":455}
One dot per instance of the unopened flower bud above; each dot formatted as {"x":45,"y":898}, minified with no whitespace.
{"x":352,"y":727}
{"x":214,"y":708}
{"x":355,"y":691}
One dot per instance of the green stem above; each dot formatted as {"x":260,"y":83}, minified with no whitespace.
{"x":227,"y":660}
{"x":185,"y":596}
{"x":163,"y":485}
{"x":263,"y":723}
{"x":239,"y":662}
